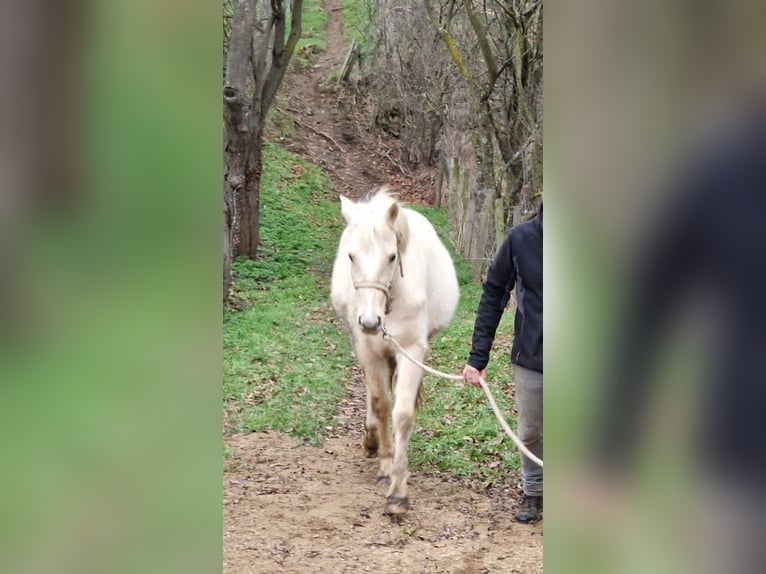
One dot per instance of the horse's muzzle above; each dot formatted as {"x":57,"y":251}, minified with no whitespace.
{"x":371,"y":325}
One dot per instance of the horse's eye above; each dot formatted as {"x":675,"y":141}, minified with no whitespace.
{"x":351,"y":257}
{"x":392,"y":257}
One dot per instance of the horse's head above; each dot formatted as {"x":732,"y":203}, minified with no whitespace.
{"x":374,"y":241}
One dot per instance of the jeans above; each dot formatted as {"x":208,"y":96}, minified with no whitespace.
{"x":529,"y":403}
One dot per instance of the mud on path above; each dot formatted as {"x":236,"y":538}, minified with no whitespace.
{"x":293,"y":508}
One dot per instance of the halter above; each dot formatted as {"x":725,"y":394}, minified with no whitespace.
{"x":385,"y":288}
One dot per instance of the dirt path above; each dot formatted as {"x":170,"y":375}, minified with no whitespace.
{"x":328,"y":133}
{"x":297,"y":509}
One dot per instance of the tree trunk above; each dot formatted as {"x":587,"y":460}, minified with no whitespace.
{"x":227,"y":233}
{"x":483,"y":195}
{"x":251,"y":198}
{"x":256,"y":60}
{"x":504,"y":83}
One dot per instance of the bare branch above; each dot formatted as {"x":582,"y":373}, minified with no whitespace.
{"x":281,"y":52}
{"x":327,"y":136}
{"x":481,"y":37}
{"x":451,"y":46}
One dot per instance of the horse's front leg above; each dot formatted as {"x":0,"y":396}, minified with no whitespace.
{"x":408,"y":380}
{"x":377,"y":377}
{"x":371,"y":441}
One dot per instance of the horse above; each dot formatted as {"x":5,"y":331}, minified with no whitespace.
{"x":391,"y":271}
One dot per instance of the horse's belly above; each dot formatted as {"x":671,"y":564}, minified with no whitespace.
{"x":443,"y":300}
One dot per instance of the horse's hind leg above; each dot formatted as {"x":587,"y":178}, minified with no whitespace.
{"x":407,"y":384}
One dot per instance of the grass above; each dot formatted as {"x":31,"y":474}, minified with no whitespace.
{"x":313,"y":39}
{"x":280,"y":123}
{"x":356,"y":19}
{"x":456,"y":429}
{"x":285,"y":355}
{"x":231,"y":459}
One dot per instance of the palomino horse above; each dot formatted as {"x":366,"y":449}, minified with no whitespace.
{"x":391,"y":271}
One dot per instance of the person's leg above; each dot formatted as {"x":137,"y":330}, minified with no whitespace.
{"x":529,"y":403}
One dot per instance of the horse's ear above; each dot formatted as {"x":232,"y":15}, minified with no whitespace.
{"x":399,"y":224}
{"x":392,"y":214}
{"x":347,"y":208}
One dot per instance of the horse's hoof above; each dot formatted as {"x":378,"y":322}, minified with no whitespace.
{"x":383,"y":479}
{"x":370,"y":451}
{"x":370,"y":445}
{"x":396,"y":506}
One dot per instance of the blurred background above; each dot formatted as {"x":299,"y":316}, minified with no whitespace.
{"x":110,"y":315}
{"x":654,"y":119}
{"x":110,"y":308}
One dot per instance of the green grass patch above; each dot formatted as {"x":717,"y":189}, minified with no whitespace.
{"x":280,"y":123}
{"x":231,"y":460}
{"x":285,"y":354}
{"x":356,"y":19}
{"x":456,"y":429}
{"x":313,"y":34}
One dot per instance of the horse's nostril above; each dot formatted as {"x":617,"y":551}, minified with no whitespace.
{"x":370,"y":323}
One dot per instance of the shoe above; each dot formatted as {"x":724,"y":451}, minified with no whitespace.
{"x":531,"y":506}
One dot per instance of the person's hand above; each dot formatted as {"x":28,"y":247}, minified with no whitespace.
{"x":471,"y":375}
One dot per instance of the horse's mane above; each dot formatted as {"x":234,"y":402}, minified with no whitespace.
{"x":380,"y":200}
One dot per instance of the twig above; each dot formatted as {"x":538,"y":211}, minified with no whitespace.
{"x":319,"y":133}
{"x":389,"y":158}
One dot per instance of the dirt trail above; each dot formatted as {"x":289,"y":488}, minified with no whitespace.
{"x":298,"y":509}
{"x":329,"y":135}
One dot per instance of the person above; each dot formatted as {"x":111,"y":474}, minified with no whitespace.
{"x":518,"y":263}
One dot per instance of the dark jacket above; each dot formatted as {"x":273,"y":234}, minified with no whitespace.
{"x":519,"y":263}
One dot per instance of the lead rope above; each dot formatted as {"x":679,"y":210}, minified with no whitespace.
{"x":522,"y":447}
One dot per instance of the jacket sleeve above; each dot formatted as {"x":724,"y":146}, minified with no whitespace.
{"x":498,"y":285}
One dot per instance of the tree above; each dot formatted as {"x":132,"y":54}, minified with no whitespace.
{"x":504,"y":91}
{"x":257,"y":55}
